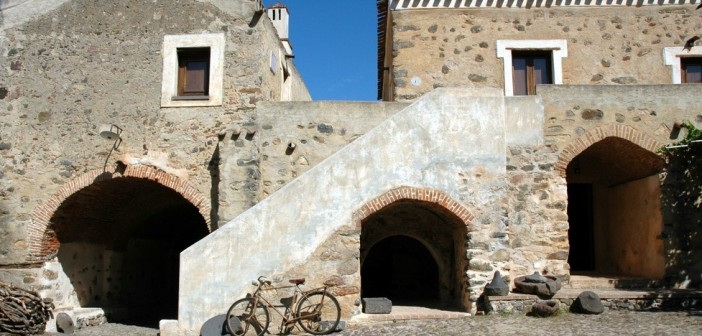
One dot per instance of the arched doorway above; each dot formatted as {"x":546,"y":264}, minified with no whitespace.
{"x":119,"y":240}
{"x":413,"y":251}
{"x":401,"y":269}
{"x":614,"y":210}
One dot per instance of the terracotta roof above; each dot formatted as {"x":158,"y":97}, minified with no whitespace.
{"x":277,"y":5}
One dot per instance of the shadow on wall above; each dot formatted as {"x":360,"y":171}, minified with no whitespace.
{"x":4,"y":220}
{"x":213,"y":167}
{"x":681,"y":203}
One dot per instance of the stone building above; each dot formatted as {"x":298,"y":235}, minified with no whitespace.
{"x":473,"y":167}
{"x":95,"y":222}
{"x":468,"y":166}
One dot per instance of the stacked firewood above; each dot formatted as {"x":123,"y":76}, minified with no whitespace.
{"x":23,"y":312}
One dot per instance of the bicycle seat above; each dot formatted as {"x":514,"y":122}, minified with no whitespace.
{"x":297,"y":281}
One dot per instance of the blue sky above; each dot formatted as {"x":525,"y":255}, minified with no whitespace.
{"x":335,"y":47}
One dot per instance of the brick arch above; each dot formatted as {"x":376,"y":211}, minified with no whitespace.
{"x":414,"y":193}
{"x":42,"y":241}
{"x":592,"y":136}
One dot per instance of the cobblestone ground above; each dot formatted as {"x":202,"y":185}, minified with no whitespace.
{"x":609,"y":323}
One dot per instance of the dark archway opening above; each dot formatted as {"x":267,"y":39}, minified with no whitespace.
{"x":120,"y":247}
{"x":413,"y":252}
{"x":581,"y":230}
{"x":401,"y":269}
{"x":614,"y":211}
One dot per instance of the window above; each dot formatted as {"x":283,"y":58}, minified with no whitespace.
{"x":531,"y":62}
{"x":193,"y":70}
{"x":691,"y":69}
{"x":685,"y":64}
{"x":529,"y":69}
{"x":286,"y":87}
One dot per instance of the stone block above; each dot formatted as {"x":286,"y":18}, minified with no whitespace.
{"x":545,"y":308}
{"x":543,"y":286}
{"x":64,"y":323}
{"x":588,"y":303}
{"x":497,"y":287}
{"x":377,"y":305}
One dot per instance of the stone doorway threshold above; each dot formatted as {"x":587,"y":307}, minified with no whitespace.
{"x":400,"y":313}
{"x":605,"y":281}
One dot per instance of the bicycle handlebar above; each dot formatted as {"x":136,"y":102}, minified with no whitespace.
{"x":261,"y":280}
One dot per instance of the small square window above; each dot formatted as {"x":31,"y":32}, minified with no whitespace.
{"x":193,"y":72}
{"x":528,"y":63}
{"x":691,"y":69}
{"x":530,"y":67}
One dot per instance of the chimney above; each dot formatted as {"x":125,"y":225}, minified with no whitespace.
{"x":280,"y":17}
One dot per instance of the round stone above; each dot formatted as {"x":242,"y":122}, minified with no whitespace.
{"x":64,"y":323}
{"x":588,"y":302}
{"x":545,"y":308}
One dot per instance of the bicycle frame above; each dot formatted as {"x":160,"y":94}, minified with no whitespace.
{"x":290,"y":316}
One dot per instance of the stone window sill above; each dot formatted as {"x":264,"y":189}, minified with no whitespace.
{"x":190,"y":98}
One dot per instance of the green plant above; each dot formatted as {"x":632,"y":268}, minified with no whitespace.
{"x":693,"y":134}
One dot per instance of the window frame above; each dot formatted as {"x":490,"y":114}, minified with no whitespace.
{"x":672,"y":57}
{"x":170,"y":96}
{"x":185,"y":57}
{"x":684,"y":63}
{"x":529,"y":57}
{"x":558,"y":49}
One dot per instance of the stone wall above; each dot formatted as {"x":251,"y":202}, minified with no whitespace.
{"x":286,"y":139}
{"x":538,"y":221}
{"x":650,"y":109}
{"x":80,"y":64}
{"x":606,"y":45}
{"x":69,"y":67}
{"x":649,"y":303}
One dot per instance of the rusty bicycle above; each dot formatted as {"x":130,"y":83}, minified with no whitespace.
{"x":315,"y":310}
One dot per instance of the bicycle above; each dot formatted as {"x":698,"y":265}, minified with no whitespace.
{"x":316,"y":310}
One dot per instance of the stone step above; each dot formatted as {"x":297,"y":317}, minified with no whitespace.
{"x":609,"y":282}
{"x":612,"y":299}
{"x":399,"y":313}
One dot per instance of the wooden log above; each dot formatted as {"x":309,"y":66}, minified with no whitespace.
{"x":23,"y":311}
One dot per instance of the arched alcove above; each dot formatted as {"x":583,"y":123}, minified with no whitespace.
{"x":118,"y":237}
{"x":614,"y":210}
{"x":418,"y":246}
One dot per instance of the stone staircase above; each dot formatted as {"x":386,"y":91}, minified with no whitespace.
{"x":429,"y":143}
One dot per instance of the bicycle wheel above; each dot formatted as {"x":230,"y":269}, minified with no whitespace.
{"x":243,"y":319}
{"x":318,"y":313}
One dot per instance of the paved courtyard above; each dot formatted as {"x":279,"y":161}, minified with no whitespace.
{"x":609,"y":323}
